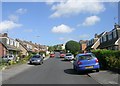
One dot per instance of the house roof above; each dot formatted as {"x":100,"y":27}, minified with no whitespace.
{"x":108,"y":43}
{"x":22,"y":43}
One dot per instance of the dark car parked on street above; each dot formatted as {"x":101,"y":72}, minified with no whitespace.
{"x":36,"y":59}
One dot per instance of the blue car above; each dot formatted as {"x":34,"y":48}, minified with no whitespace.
{"x":86,"y":61}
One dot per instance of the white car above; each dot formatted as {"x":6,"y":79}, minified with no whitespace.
{"x":69,"y":56}
{"x":8,"y":58}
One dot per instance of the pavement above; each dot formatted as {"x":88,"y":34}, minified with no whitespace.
{"x":58,"y":69}
{"x":106,"y":77}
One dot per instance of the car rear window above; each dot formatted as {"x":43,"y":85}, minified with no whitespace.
{"x":68,"y":54}
{"x":86,"y":57}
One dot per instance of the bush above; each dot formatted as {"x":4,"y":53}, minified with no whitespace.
{"x":108,"y":58}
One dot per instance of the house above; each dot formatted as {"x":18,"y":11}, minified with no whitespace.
{"x":94,"y":43}
{"x":83,"y":45}
{"x":3,"y":49}
{"x":25,"y":48}
{"x":11,"y":45}
{"x":111,"y":40}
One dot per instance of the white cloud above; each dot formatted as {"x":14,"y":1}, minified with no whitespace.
{"x":21,"y":11}
{"x":6,"y":25}
{"x":14,"y":18}
{"x":74,"y":7}
{"x":91,"y":20}
{"x":62,"y":29}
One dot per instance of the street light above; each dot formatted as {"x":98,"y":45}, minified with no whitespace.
{"x":38,"y":45}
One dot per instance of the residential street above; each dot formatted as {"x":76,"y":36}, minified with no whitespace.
{"x":52,"y":71}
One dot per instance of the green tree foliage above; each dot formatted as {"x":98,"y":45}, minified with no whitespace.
{"x":50,"y":48}
{"x":72,"y":46}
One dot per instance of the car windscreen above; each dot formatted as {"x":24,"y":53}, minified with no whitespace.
{"x":68,"y":54}
{"x":86,"y":57}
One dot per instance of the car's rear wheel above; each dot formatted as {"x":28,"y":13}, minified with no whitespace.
{"x":97,"y":70}
{"x":74,"y":68}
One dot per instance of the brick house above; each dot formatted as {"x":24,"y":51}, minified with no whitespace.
{"x":3,"y":49}
{"x":83,"y":45}
{"x":111,"y":40}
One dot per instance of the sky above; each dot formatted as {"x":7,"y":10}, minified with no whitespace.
{"x":51,"y":23}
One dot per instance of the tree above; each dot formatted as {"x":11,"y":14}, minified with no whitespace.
{"x":50,"y":48}
{"x":72,"y":46}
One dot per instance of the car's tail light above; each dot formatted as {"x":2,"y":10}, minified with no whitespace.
{"x":79,"y":63}
{"x":96,"y":60}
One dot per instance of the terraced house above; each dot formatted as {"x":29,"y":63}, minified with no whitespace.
{"x":12,"y":46}
{"x":111,"y":40}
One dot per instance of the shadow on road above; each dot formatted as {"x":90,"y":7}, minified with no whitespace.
{"x":73,"y":72}
{"x":65,"y":60}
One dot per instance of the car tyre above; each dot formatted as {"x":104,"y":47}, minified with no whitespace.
{"x":74,"y":68}
{"x":97,"y":70}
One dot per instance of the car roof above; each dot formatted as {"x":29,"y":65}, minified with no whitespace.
{"x":85,"y":54}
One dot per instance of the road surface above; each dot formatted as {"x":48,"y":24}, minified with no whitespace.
{"x":52,"y":71}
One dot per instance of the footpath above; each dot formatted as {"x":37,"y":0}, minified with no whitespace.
{"x":106,"y":77}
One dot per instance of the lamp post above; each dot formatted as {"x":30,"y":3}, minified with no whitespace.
{"x":38,"y":45}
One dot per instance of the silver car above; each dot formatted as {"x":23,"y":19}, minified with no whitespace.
{"x":69,"y":56}
{"x":37,"y":59}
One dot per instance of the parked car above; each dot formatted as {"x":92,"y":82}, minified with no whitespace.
{"x":86,"y":61}
{"x":52,"y":55}
{"x":62,"y":55}
{"x":36,"y":59}
{"x":69,"y":56}
{"x":8,"y":58}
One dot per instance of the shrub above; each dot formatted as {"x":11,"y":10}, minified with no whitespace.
{"x":108,"y":58}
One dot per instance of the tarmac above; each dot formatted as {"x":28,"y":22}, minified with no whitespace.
{"x":104,"y":77}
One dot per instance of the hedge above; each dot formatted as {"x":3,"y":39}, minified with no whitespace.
{"x":108,"y":58}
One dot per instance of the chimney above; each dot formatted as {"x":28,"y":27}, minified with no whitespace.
{"x":96,"y":36}
{"x":30,"y":41}
{"x":116,"y":26}
{"x":5,"y":35}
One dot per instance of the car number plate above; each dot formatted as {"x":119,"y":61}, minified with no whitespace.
{"x":87,"y":67}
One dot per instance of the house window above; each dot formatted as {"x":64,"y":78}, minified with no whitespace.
{"x":114,"y":34}
{"x":104,"y":38}
{"x":109,"y":35}
{"x":101,"y":40}
{"x":17,"y":44}
{"x":8,"y":41}
{"x":11,"y":42}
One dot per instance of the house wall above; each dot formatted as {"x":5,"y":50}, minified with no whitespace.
{"x":83,"y":46}
{"x":23,"y":50}
{"x":2,"y":50}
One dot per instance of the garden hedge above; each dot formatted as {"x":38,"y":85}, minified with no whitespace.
{"x":108,"y":58}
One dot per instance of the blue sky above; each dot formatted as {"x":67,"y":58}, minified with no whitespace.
{"x":55,"y":23}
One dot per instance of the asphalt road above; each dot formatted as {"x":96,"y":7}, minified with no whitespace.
{"x":52,"y":71}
